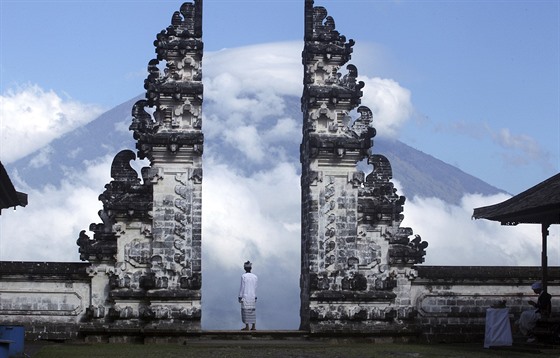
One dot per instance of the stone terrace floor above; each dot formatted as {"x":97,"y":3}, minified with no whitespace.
{"x":283,"y":344}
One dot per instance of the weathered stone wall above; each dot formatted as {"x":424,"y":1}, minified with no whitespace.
{"x":52,"y":301}
{"x":49,"y":299}
{"x":451,"y":301}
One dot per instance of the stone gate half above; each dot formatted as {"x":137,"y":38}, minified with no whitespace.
{"x":357,"y":262}
{"x":146,"y":254}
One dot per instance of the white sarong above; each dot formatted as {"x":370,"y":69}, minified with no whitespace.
{"x":528,"y":321}
{"x":248,"y":311}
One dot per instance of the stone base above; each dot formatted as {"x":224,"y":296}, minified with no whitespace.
{"x":122,"y":332}
{"x":368,"y":328}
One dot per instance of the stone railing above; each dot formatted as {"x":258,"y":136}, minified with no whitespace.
{"x":47,"y":298}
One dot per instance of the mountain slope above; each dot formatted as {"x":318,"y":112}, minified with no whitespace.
{"x":423,"y":175}
{"x":105,"y":135}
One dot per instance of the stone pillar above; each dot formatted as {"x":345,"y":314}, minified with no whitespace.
{"x":356,"y":260}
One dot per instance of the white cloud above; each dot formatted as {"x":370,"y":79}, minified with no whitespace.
{"x":516,"y":150}
{"x":123,"y":125}
{"x":243,"y":89}
{"x":42,"y":157}
{"x":449,"y":229}
{"x":236,"y":105}
{"x":47,"y":228}
{"x":247,"y":140}
{"x":285,"y":129}
{"x":508,"y":140}
{"x":250,"y":216}
{"x":255,"y":69}
{"x":390,"y":103}
{"x":245,"y":86}
{"x":520,"y":149}
{"x":31,"y":117}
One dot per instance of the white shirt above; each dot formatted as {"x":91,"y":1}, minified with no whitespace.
{"x":248,"y":289}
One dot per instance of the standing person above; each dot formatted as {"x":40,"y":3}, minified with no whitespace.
{"x":248,"y":297}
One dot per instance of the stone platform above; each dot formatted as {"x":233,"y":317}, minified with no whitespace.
{"x":168,"y":336}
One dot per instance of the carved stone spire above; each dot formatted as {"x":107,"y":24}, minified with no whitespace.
{"x":146,"y":255}
{"x":356,"y":260}
{"x":174,"y":88}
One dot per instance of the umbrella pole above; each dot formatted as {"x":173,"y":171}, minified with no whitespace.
{"x":544,"y":258}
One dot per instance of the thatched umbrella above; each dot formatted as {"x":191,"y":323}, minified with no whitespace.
{"x":537,"y":205}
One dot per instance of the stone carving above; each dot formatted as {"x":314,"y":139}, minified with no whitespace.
{"x":123,"y":197}
{"x":138,"y":252}
{"x":103,"y":248}
{"x":361,"y":126}
{"x":142,"y":121}
{"x":406,"y":251}
{"x":174,"y":96}
{"x":377,"y":200}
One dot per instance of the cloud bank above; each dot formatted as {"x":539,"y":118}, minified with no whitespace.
{"x":251,"y":192}
{"x":32,"y":117}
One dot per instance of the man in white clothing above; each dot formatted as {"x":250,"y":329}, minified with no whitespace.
{"x":248,"y":297}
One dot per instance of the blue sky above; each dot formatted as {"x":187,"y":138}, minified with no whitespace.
{"x":484,"y":76}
